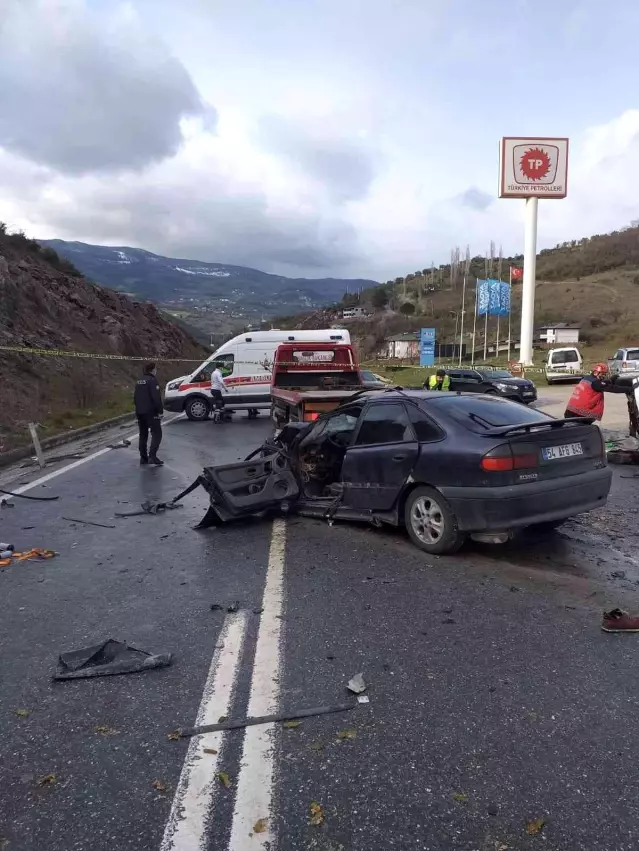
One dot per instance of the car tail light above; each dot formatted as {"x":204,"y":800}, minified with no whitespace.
{"x":624,"y":364}
{"x":310,"y":416}
{"x":504,"y":458}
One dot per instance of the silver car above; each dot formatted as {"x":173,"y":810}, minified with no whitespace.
{"x":624,"y":362}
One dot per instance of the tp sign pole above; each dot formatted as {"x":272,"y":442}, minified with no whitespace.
{"x":531,"y":168}
{"x":528,"y":290}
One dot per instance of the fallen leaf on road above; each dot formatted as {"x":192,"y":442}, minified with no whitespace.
{"x":173,"y":736}
{"x":316,"y":746}
{"x":22,"y":713}
{"x":224,"y":779}
{"x":499,"y":846}
{"x":460,"y":797}
{"x":536,"y":826}
{"x":106,"y":731}
{"x":291,"y":725}
{"x":210,"y":751}
{"x":317,"y":814}
{"x":47,"y":780}
{"x":347,"y":734}
{"x":260,"y":825}
{"x":222,"y":719}
{"x":159,"y":785}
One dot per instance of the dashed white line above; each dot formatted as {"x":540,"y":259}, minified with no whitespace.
{"x":186,"y":828}
{"x":255,"y":783}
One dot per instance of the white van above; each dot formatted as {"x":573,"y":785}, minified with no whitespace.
{"x":246,"y":362}
{"x":563,"y":365}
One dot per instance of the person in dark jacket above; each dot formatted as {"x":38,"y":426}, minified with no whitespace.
{"x":587,"y":400}
{"x":147,"y":399}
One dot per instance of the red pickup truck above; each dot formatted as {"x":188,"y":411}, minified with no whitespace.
{"x":309,"y":379}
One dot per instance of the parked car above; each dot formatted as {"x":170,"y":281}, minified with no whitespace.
{"x":563,"y":365}
{"x":444,"y":465}
{"x":624,"y":361}
{"x":373,"y":381}
{"x":495,"y":382}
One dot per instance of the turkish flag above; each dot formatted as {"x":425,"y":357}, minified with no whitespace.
{"x":516,"y":272}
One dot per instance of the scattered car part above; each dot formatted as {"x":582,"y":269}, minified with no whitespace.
{"x":266,"y":719}
{"x":90,"y":522}
{"x":357,"y":684}
{"x":108,"y":659}
{"x":34,"y":498}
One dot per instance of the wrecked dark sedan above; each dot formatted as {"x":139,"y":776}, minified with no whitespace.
{"x":444,"y":465}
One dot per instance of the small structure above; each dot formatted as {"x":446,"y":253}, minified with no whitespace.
{"x":559,"y":334}
{"x":402,"y":346}
{"x":354,"y":312}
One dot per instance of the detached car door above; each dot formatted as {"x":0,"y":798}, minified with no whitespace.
{"x":380,"y":458}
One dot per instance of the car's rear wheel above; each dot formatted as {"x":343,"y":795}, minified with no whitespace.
{"x":431,"y":523}
{"x":197,"y":408}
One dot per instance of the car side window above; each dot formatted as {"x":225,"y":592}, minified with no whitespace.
{"x":225,"y":363}
{"x":618,"y":355}
{"x":473,"y":377}
{"x":384,"y":423}
{"x":453,"y":375}
{"x":423,"y":426}
{"x":343,"y":422}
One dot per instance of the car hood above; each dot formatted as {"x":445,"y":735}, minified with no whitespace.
{"x":515,"y":382}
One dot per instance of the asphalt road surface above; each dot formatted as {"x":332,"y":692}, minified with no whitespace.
{"x":500,"y":717}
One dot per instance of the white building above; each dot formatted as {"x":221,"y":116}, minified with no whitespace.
{"x":559,"y":334}
{"x":354,"y":312}
{"x":402,"y":346}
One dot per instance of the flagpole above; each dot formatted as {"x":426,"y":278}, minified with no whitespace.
{"x":486,"y":331}
{"x":474,"y":323}
{"x":510,"y":304}
{"x":461,"y":329}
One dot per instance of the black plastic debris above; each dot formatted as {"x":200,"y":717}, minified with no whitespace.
{"x":149,"y":508}
{"x":107,"y":659}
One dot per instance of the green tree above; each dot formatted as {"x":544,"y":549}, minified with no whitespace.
{"x":379,"y":298}
{"x":407,"y":308}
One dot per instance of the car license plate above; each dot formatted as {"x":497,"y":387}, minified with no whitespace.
{"x":528,"y":393}
{"x":567,"y":450}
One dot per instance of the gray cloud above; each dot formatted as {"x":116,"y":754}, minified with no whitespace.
{"x":476,"y":199}
{"x":81,"y":92}
{"x":345,"y":167}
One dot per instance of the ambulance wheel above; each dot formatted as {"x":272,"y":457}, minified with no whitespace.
{"x":197,"y":409}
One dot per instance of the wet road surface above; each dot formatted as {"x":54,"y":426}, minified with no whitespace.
{"x":495,"y":699}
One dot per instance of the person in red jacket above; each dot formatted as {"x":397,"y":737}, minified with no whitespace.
{"x":587,"y":399}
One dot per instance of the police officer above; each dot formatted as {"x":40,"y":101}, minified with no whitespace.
{"x":147,"y":399}
{"x":439,"y":381}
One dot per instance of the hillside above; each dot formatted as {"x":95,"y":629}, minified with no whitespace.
{"x":592,"y":282}
{"x":46,"y":303}
{"x":205,"y":295}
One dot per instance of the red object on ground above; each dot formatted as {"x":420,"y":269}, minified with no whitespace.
{"x":619,"y":621}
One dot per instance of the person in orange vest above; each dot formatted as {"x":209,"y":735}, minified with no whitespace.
{"x":587,"y":399}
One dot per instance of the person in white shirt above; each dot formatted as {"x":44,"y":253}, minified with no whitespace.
{"x":218,"y":387}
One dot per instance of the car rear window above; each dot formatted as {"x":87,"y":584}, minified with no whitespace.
{"x":633,"y":354}
{"x":479,"y":413}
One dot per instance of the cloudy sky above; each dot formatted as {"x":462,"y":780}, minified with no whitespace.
{"x":313,"y":137}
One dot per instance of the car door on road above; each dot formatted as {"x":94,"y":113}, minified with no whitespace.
{"x":380,"y":458}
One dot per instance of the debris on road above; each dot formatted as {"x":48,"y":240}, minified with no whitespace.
{"x":460,"y":797}
{"x":266,"y":719}
{"x":357,"y":684}
{"x":224,"y":779}
{"x":210,"y":751}
{"x":47,"y":780}
{"x":35,"y":554}
{"x":363,"y":698}
{"x":291,"y":725}
{"x":260,"y":825}
{"x":316,"y":746}
{"x":159,"y":785}
{"x":149,"y":508}
{"x":105,"y":730}
{"x":22,"y":713}
{"x":347,"y":734}
{"x":233,"y":608}
{"x":122,"y":444}
{"x":217,"y":607}
{"x":90,"y":522}
{"x":536,"y":826}
{"x":317,"y":814}
{"x":617,"y":620}
{"x":34,"y":498}
{"x":618,"y":574}
{"x":107,"y":659}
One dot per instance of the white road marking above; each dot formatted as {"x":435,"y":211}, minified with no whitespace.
{"x":43,"y":479}
{"x":187,"y":825}
{"x":255,"y":783}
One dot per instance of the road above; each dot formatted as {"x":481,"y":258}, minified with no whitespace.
{"x":494,"y":698}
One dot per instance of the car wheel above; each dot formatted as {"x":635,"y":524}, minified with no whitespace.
{"x":197,"y":409}
{"x":431,"y":523}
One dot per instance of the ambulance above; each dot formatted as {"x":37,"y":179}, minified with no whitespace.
{"x":246,"y":363}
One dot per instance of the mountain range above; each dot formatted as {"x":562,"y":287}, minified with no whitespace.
{"x":173,"y":282}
